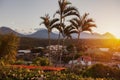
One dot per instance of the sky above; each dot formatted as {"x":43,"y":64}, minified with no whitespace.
{"x":24,"y":15}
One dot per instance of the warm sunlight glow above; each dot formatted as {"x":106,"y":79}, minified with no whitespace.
{"x":116,"y":34}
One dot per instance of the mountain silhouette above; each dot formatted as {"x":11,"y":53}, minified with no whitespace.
{"x":6,"y":30}
{"x":108,"y":35}
{"x":43,"y":34}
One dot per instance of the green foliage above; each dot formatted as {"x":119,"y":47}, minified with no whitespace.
{"x":102,"y":71}
{"x":70,"y":48}
{"x":11,"y":73}
{"x":19,"y":62}
{"x":61,"y":76}
{"x":8,"y":47}
{"x":102,"y":56}
{"x":42,"y":61}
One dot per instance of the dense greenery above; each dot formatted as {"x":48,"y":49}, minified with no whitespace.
{"x":102,"y":71}
{"x":26,"y":43}
{"x":41,"y":61}
{"x":8,"y":47}
{"x":13,"y":73}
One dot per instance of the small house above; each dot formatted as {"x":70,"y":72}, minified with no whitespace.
{"x":83,"y":60}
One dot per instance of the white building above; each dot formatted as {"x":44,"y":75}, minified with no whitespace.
{"x":23,"y":52}
{"x":83,"y":60}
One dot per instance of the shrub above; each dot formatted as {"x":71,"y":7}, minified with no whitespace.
{"x":11,"y":73}
{"x":42,"y":61}
{"x":19,"y":62}
{"x":102,"y":71}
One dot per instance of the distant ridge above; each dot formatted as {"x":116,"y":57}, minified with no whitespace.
{"x":6,"y":30}
{"x":108,"y":35}
{"x":42,"y":34}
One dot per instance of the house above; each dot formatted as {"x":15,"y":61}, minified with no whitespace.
{"x":23,"y":52}
{"x":83,"y":60}
{"x":55,"y":47}
{"x":37,"y":51}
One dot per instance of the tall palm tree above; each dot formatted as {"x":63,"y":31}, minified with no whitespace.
{"x":65,"y":10}
{"x":83,"y":23}
{"x":49,"y":24}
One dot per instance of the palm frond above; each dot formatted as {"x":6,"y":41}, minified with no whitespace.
{"x":85,"y":16}
{"x":41,"y":23}
{"x":53,"y":21}
{"x":57,"y":12}
{"x":87,"y":29}
{"x":43,"y":18}
{"x":89,"y":20}
{"x":70,"y":8}
{"x":74,"y":23}
{"x":71,"y":14}
{"x":60,"y":4}
{"x":59,"y":29}
{"x":73,"y":31}
{"x":55,"y":25}
{"x":67,"y":2}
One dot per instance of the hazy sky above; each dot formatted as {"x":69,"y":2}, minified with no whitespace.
{"x":24,"y":15}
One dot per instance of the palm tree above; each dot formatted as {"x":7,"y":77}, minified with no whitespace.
{"x":8,"y":47}
{"x":83,"y":23}
{"x":49,"y":24}
{"x":65,"y":10}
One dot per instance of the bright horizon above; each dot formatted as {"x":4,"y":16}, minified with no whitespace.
{"x":24,"y":15}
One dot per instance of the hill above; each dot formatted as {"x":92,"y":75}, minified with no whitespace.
{"x":6,"y":30}
{"x":42,"y":34}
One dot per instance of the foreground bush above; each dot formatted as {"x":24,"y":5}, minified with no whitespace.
{"x":41,"y":61}
{"x":8,"y":48}
{"x":13,"y":73}
{"x":102,"y":71}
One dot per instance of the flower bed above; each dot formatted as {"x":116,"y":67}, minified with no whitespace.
{"x":44,"y":68}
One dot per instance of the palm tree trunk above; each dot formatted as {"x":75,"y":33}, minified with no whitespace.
{"x":49,"y":42}
{"x":75,"y":51}
{"x":58,"y":50}
{"x":58,"y":40}
{"x":78,"y":38}
{"x":59,"y":35}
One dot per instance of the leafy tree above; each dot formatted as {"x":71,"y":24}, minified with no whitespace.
{"x":42,"y":61}
{"x":8,"y":47}
{"x":102,"y":71}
